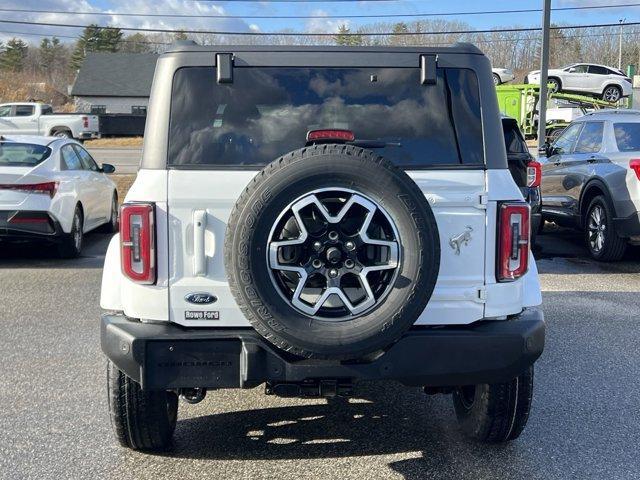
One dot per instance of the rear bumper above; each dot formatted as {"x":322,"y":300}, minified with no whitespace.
{"x":88,"y":135}
{"x":22,"y":225}
{"x":628,"y":226}
{"x":167,"y":356}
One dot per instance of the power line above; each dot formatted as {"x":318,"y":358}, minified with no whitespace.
{"x":388,"y":15}
{"x":478,"y":41}
{"x":75,"y":37}
{"x":475,"y":41}
{"x":320,"y":34}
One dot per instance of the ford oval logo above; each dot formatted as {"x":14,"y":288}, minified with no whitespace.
{"x":200,"y":298}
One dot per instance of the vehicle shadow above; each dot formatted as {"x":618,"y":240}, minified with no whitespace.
{"x":382,"y":420}
{"x":387,"y":419}
{"x":39,"y":255}
{"x":564,"y":251}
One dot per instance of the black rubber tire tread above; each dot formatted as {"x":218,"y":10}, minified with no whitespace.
{"x":499,"y":412}
{"x":257,"y":308}
{"x":614,"y":246}
{"x":66,"y":131}
{"x":67,"y":247}
{"x":140,"y":419}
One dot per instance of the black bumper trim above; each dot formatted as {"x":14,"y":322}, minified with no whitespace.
{"x":23,"y":232}
{"x":628,"y":226}
{"x":167,"y":356}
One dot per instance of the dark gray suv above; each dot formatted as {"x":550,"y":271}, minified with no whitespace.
{"x":591,"y":181}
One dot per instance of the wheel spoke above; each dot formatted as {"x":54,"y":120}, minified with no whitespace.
{"x":334,"y":253}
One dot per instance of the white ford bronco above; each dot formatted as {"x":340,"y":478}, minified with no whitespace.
{"x":310,"y":217}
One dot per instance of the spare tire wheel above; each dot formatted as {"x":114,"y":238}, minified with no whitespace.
{"x":332,"y":252}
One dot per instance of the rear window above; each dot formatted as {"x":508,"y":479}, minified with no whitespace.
{"x":513,"y":140}
{"x":22,"y":154}
{"x":627,"y":136}
{"x":267,"y":112}
{"x":590,"y":140}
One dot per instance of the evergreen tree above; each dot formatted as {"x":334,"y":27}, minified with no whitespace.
{"x":87,"y":42}
{"x":51,"y":53}
{"x":14,"y":55}
{"x":95,"y":39}
{"x":342,"y":37}
{"x":110,"y":40}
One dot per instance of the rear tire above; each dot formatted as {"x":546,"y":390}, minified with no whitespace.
{"x":62,"y":133}
{"x":612,"y":94}
{"x":496,"y":79}
{"x":71,"y":245}
{"x":600,"y":236}
{"x":495,"y":413}
{"x":141,"y":420}
{"x":554,"y":85}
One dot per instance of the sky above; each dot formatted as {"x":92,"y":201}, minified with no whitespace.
{"x":319,"y":8}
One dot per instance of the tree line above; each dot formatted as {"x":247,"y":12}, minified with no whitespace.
{"x":57,"y":62}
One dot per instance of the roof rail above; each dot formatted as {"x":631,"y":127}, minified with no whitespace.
{"x":618,"y":111}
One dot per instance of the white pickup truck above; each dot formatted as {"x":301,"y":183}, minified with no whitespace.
{"x":32,"y":118}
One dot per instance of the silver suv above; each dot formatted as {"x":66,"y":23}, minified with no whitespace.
{"x":591,"y":180}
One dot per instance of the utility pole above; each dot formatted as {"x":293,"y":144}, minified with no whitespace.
{"x":622,"y":20}
{"x":544,"y":74}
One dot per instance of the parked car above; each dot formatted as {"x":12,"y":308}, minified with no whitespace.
{"x":307,"y":221}
{"x":525,"y":170}
{"x":608,"y":83}
{"x":502,"y":75}
{"x":33,"y":118}
{"x":52,"y":191}
{"x":591,"y":181}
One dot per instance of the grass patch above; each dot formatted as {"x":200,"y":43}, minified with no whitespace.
{"x":114,"y":142}
{"x":123,"y":183}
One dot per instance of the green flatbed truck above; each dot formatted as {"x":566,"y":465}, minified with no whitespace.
{"x":520,"y":101}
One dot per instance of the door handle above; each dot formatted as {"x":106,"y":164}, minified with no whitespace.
{"x":199,"y":255}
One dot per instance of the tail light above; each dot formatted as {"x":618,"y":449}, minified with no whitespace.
{"x":534,"y":173}
{"x":49,"y":188}
{"x":137,"y":242}
{"x":328,"y":135}
{"x":85,"y":122}
{"x":513,"y":241}
{"x":634,"y":165}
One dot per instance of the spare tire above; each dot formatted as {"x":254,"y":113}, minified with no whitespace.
{"x":332,"y":252}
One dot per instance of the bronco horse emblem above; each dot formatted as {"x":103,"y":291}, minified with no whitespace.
{"x":461,"y":239}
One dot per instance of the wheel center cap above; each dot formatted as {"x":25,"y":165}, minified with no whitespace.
{"x":333,"y":255}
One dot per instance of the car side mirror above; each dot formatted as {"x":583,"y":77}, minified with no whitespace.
{"x":107,"y":168}
{"x":572,"y":70}
{"x":545,"y":150}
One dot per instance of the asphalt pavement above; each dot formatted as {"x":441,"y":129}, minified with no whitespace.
{"x":585,"y":421}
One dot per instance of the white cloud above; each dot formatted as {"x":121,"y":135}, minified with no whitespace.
{"x":118,"y":6}
{"x":323,"y":24}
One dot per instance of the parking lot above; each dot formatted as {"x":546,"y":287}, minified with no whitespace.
{"x":585,"y":422}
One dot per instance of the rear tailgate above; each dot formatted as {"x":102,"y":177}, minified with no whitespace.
{"x":222,"y":134}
